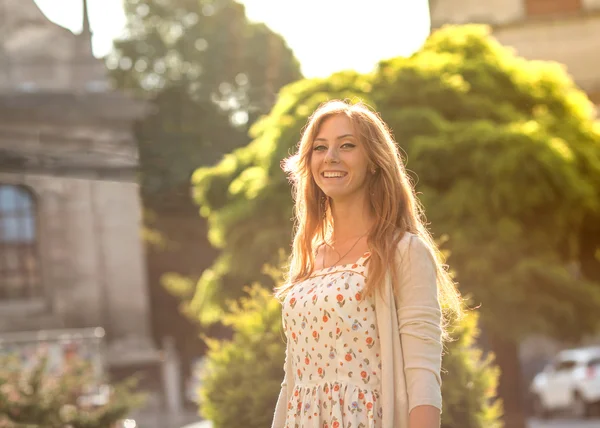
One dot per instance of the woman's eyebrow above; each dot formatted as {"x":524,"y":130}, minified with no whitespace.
{"x":337,"y":138}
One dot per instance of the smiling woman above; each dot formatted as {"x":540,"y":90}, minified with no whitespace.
{"x":339,"y":161}
{"x":365,"y":331}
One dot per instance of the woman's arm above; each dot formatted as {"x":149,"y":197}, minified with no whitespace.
{"x":424,"y":416}
{"x":280,"y":408}
{"x":419,"y":322}
{"x":282,"y":401}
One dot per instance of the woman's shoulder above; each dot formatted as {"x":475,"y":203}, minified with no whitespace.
{"x":412,"y":244}
{"x":404,"y":241}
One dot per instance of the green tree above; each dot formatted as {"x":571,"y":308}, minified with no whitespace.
{"x":207,"y":73}
{"x":506,"y":157}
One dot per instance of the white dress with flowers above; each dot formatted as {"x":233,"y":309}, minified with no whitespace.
{"x":331,"y":329}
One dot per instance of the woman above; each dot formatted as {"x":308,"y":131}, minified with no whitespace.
{"x":363,"y":350}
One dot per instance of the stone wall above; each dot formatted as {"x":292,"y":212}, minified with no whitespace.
{"x":572,"y":41}
{"x":466,"y":11}
{"x":550,"y":7}
{"x":91,"y":258}
{"x":78,"y":157}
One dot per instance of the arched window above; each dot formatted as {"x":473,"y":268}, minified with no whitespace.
{"x":19,"y":261}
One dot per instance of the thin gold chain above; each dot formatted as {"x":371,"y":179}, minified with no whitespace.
{"x":346,"y":253}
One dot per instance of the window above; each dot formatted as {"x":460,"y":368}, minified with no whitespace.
{"x":19,"y":262}
{"x":565,"y":365}
{"x":551,"y":7}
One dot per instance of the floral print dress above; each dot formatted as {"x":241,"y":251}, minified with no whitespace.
{"x":331,"y":329}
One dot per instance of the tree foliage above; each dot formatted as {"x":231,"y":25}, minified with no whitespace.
{"x":210,"y":73}
{"x":242,"y":377}
{"x":506,"y":158}
{"x":207,"y":73}
{"x":505,"y":154}
{"x":469,"y":380}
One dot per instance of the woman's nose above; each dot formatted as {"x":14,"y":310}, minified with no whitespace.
{"x":331,"y":156}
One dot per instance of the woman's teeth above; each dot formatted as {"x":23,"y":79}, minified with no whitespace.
{"x":334,"y":174}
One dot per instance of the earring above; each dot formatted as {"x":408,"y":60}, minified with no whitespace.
{"x":324,"y":205}
{"x":373,"y":170}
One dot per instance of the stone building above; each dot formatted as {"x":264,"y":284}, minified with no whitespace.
{"x":71,"y":254}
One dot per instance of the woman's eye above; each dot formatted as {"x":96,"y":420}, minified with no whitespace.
{"x":348,"y":145}
{"x":319,"y":148}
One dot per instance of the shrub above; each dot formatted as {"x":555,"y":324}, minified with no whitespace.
{"x":34,"y":398}
{"x":242,"y":376}
{"x":469,"y":381}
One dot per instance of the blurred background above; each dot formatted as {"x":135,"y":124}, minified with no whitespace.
{"x":145,"y":219}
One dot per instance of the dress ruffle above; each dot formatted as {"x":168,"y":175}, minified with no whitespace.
{"x":333,"y":405}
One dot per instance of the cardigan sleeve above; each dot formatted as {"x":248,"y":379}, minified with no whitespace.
{"x":282,"y":400}
{"x":419,"y":322}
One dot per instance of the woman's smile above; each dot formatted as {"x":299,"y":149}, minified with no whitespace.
{"x":334,"y":174}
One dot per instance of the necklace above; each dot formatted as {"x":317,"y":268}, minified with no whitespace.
{"x":346,"y":253}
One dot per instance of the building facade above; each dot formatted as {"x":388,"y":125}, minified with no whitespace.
{"x":71,"y":254}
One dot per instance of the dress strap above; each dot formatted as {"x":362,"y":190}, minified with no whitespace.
{"x":364,"y":258}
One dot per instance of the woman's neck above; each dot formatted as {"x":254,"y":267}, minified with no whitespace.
{"x":351,"y":219}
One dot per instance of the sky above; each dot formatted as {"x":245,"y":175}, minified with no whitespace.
{"x":325,"y":35}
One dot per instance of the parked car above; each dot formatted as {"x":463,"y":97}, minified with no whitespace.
{"x":571,"y":382}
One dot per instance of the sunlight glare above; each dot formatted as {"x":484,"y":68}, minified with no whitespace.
{"x":325,"y":35}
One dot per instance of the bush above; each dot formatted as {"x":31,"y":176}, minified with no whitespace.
{"x":33,"y":398}
{"x":242,"y":377}
{"x":469,"y":381}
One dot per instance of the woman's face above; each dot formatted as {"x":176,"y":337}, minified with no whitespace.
{"x":339,"y":162}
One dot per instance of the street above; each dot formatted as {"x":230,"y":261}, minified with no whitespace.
{"x":564,"y":423}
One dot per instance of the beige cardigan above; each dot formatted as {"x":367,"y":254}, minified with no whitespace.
{"x":410,"y":339}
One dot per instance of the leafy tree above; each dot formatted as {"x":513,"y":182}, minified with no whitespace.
{"x":207,"y":74}
{"x":34,"y":398}
{"x":506,"y":157}
{"x":210,"y":73}
{"x":242,"y":377}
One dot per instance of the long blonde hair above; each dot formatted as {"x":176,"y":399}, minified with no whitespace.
{"x":391,"y":195}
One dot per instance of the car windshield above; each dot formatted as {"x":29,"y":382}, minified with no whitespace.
{"x":565,"y":365}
